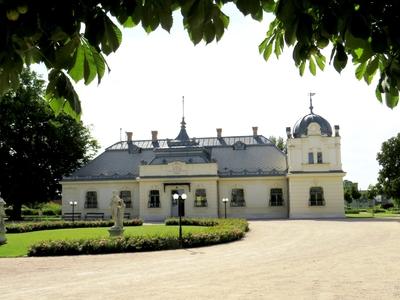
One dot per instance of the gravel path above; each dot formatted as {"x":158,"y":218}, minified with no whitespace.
{"x":285,"y":259}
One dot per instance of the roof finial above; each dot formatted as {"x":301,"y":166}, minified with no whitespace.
{"x":183,"y":123}
{"x":183,"y":107}
{"x":311,"y":107}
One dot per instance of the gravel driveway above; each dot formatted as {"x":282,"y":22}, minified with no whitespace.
{"x":284,"y":259}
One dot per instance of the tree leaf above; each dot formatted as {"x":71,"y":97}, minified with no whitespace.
{"x":76,"y":72}
{"x":360,"y":70}
{"x":268,"y":51}
{"x":320,"y":59}
{"x":312,"y":66}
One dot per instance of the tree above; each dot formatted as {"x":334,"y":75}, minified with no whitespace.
{"x":37,"y":148}
{"x":389,"y":174}
{"x":372,"y":192}
{"x":278,"y":142}
{"x":72,"y":37}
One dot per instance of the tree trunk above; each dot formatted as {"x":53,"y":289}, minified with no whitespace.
{"x":16,"y":211}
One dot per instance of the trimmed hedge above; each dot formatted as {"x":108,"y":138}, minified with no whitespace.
{"x":27,"y":227}
{"x":352,"y":211}
{"x":193,"y":221}
{"x":222,"y":232}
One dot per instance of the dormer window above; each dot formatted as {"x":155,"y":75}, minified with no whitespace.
{"x":239,"y":146}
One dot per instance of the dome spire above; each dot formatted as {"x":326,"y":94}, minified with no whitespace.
{"x":183,"y":136}
{"x":311,"y":107}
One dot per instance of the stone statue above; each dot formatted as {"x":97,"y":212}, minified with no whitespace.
{"x":117,"y":213}
{"x":3,"y":229}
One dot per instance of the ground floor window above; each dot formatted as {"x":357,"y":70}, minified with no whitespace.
{"x":276,"y":198}
{"x":91,"y":199}
{"x":238,"y":198}
{"x":316,"y":196}
{"x":126,"y":196}
{"x":200,"y":199}
{"x":154,"y":198}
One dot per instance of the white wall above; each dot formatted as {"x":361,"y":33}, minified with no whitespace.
{"x":76,"y":191}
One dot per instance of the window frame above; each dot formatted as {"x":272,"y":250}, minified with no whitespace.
{"x":316,"y":196}
{"x":154,"y":200}
{"x":319,"y":158}
{"x":311,"y":158}
{"x":91,"y":202}
{"x":234,"y":201}
{"x":128,"y":203}
{"x":273,"y":200}
{"x":203,"y":201}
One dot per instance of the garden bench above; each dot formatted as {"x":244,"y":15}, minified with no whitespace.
{"x":68,"y":216}
{"x":127,"y":215}
{"x":94,"y":216}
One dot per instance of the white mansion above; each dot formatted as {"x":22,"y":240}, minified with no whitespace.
{"x":259,"y":180}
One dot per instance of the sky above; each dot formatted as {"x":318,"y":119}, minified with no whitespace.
{"x":228,"y":85}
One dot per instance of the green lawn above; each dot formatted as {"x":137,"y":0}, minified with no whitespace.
{"x":18,"y":243}
{"x":369,"y":215}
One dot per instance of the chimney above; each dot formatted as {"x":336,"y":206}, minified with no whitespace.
{"x":154,"y":134}
{"x":337,"y":130}
{"x":288,"y":134}
{"x":255,"y":128}
{"x":219,"y":133}
{"x":129,"y":136}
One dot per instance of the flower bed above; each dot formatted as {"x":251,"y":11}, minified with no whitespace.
{"x":223,"y":230}
{"x":27,"y":227}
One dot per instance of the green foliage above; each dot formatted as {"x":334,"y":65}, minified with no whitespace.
{"x":352,"y":211}
{"x":372,"y":192}
{"x":389,"y":174}
{"x":351,"y":191}
{"x":73,"y":37}
{"x":37,"y":226}
{"x":37,"y":148}
{"x":278,"y":142}
{"x":366,"y":32}
{"x":19,"y":243}
{"x":224,"y":231}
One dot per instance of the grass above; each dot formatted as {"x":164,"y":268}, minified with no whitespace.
{"x":369,"y":215}
{"x":18,"y":243}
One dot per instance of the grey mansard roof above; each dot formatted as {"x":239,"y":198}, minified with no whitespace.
{"x":235,"y":156}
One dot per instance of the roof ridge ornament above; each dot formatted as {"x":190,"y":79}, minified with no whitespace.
{"x":311,"y":107}
{"x":183,"y":136}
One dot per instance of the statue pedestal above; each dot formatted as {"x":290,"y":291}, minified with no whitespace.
{"x":3,"y":238}
{"x":116,"y":231}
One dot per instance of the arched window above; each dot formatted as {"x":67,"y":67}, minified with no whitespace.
{"x":316,"y":196}
{"x":91,"y":199}
{"x":127,"y":197}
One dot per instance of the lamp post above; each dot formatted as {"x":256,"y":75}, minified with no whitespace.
{"x":225,"y":200}
{"x":180,"y":198}
{"x":73,"y":204}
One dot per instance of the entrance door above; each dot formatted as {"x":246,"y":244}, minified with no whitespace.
{"x":174,"y":204}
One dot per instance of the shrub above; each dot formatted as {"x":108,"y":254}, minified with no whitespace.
{"x":51,"y":209}
{"x":379,"y":210}
{"x":193,"y":221}
{"x":387,"y":205}
{"x":36,"y":226}
{"x":352,"y":211}
{"x":26,"y":211}
{"x":222,"y":231}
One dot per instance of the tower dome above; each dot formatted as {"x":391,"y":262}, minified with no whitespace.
{"x":300,"y":128}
